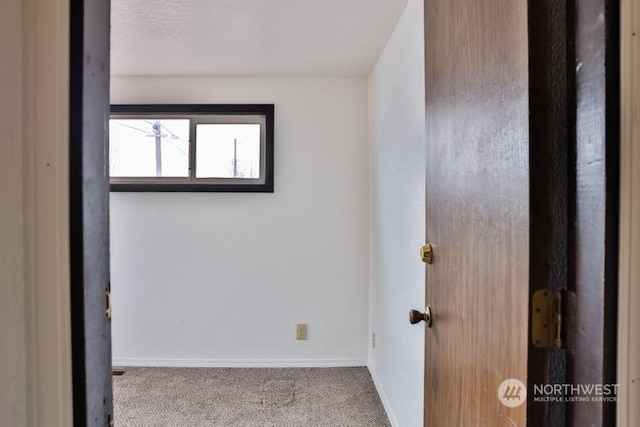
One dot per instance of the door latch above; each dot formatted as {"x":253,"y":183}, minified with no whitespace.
{"x":426,"y":253}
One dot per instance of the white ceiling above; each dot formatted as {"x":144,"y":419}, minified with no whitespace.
{"x":250,"y":37}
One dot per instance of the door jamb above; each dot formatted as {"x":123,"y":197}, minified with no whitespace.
{"x":628,"y":411}
{"x":46,"y":212}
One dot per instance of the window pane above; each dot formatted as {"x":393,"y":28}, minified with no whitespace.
{"x":149,"y":148}
{"x":228,"y":151}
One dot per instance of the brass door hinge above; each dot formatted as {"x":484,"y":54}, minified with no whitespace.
{"x":552,"y":314}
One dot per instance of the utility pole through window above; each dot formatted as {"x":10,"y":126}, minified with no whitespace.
{"x":235,"y":158}
{"x":157,"y":131}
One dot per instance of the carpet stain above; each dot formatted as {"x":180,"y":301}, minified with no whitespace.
{"x":279,"y":393}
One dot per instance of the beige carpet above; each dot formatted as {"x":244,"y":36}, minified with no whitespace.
{"x":232,"y":397}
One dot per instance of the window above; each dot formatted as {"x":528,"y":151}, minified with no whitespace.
{"x":191,"y":148}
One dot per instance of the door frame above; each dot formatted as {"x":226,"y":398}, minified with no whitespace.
{"x":628,"y":411}
{"x":575,"y":146}
{"x":89,"y":58}
{"x":46,"y":212}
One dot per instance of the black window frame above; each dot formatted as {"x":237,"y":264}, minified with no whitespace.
{"x":168,"y":110}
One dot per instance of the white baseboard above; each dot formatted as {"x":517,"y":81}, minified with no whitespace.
{"x":240,"y":363}
{"x":383,"y":397}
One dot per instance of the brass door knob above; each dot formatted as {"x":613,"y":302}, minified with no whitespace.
{"x":426,"y":253}
{"x":416,"y":317}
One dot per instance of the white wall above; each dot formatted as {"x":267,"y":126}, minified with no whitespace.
{"x":222,"y":279}
{"x":397,"y":219}
{"x":12,"y":315}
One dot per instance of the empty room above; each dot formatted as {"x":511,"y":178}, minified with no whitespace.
{"x":242,"y":139}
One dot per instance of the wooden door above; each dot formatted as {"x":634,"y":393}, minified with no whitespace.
{"x":89,"y":213}
{"x":522,"y":194}
{"x":477,"y":209}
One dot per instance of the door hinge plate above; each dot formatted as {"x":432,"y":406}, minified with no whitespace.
{"x":546,"y":318}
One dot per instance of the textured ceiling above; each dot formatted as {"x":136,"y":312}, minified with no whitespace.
{"x":250,"y":37}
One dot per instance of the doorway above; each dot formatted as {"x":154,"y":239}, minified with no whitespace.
{"x":103,"y":287}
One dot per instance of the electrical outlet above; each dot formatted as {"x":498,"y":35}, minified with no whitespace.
{"x":301,"y":331}
{"x":373,"y":340}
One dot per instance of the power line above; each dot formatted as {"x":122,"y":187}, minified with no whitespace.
{"x":135,"y":128}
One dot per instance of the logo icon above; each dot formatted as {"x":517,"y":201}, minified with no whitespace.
{"x":512,"y":392}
